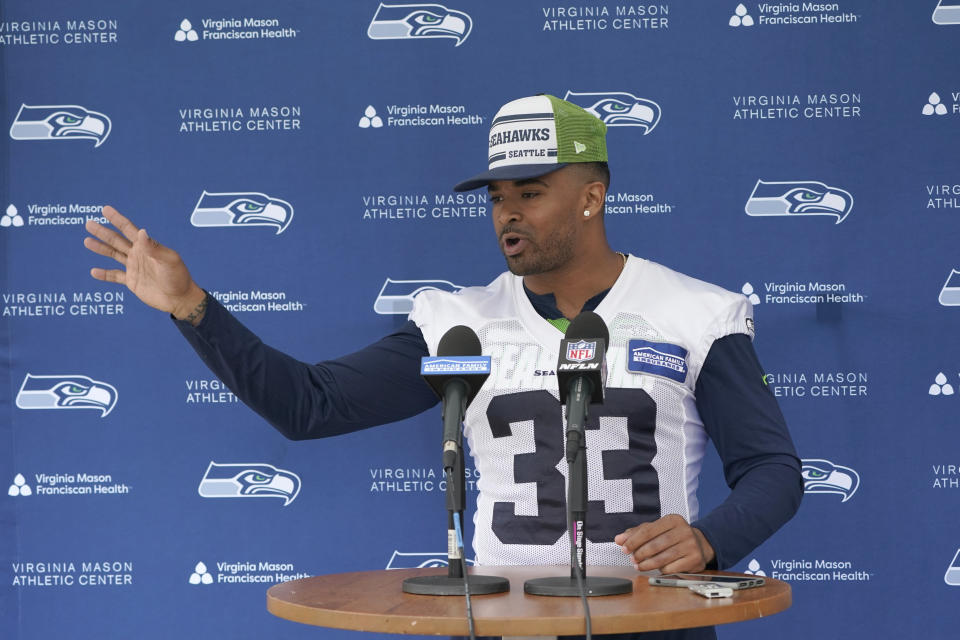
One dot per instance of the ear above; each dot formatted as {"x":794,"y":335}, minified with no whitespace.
{"x":594,"y":196}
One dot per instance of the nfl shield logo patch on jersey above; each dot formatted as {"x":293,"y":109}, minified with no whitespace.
{"x":657,"y":358}
{"x":581,"y":351}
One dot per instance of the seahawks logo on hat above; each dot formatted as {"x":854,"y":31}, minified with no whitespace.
{"x":415,"y":21}
{"x":60,"y":122}
{"x":618,"y":109}
{"x":532,"y":136}
{"x":66,"y":392}
{"x":241,"y":209}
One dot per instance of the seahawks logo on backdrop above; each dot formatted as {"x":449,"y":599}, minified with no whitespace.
{"x":66,"y":392}
{"x":800,"y":198}
{"x":823,"y":476}
{"x":947,"y":12}
{"x":396,"y":296}
{"x":241,"y":209}
{"x":400,"y":560}
{"x":416,"y":21}
{"x":950,"y":293}
{"x":60,"y":122}
{"x":618,"y":109}
{"x":256,"y":480}
{"x":952,"y":576}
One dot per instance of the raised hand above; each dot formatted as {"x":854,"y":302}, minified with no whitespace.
{"x":154,"y":273}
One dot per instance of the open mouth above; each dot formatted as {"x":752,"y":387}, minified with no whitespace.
{"x":513,"y":244}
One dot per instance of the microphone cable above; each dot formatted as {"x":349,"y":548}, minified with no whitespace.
{"x":463,"y":567}
{"x":575,"y":564}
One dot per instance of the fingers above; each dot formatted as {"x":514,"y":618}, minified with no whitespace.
{"x":109,"y":275}
{"x":668,"y":544}
{"x":108,"y":237}
{"x":104,"y":249}
{"x":147,"y":241}
{"x":656,"y":550}
{"x":122,"y":223}
{"x":634,"y":537}
{"x":679,"y":556}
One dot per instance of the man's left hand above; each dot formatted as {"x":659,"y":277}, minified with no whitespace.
{"x":669,"y":544}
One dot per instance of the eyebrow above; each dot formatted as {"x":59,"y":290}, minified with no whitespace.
{"x":520,"y":183}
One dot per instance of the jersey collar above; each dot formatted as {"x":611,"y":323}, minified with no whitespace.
{"x":546,"y":306}
{"x":535,"y":311}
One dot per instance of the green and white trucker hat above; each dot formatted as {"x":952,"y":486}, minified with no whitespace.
{"x":533,"y":136}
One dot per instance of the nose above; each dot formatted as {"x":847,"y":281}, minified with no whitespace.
{"x":506,"y":211}
{"x":507,"y":216}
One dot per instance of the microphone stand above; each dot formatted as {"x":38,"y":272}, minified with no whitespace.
{"x":577,"y":403}
{"x":454,"y":583}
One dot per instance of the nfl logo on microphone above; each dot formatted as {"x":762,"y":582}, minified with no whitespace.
{"x":581,"y":351}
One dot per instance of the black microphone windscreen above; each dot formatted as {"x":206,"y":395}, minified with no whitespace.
{"x":588,"y":325}
{"x":460,"y":341}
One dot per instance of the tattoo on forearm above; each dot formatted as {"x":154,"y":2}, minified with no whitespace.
{"x":197,"y":311}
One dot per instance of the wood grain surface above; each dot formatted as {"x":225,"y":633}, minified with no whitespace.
{"x":374,"y":601}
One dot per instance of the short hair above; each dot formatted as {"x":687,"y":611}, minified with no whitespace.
{"x":598,"y":171}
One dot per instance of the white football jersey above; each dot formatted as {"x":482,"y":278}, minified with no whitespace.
{"x":646,"y":442}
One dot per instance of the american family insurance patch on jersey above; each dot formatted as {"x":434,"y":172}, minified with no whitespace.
{"x":657,"y":358}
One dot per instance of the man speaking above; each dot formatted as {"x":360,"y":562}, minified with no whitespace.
{"x":680,"y":369}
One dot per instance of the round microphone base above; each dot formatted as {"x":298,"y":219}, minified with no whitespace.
{"x":567,"y":586}
{"x":447,"y":586}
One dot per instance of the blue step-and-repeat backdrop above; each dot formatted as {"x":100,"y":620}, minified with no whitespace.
{"x":353,"y":125}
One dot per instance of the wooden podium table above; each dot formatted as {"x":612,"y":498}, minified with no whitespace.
{"x":374,"y":601}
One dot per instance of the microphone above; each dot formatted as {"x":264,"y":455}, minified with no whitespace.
{"x":455,"y":374}
{"x":582,"y":372}
{"x":581,"y":376}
